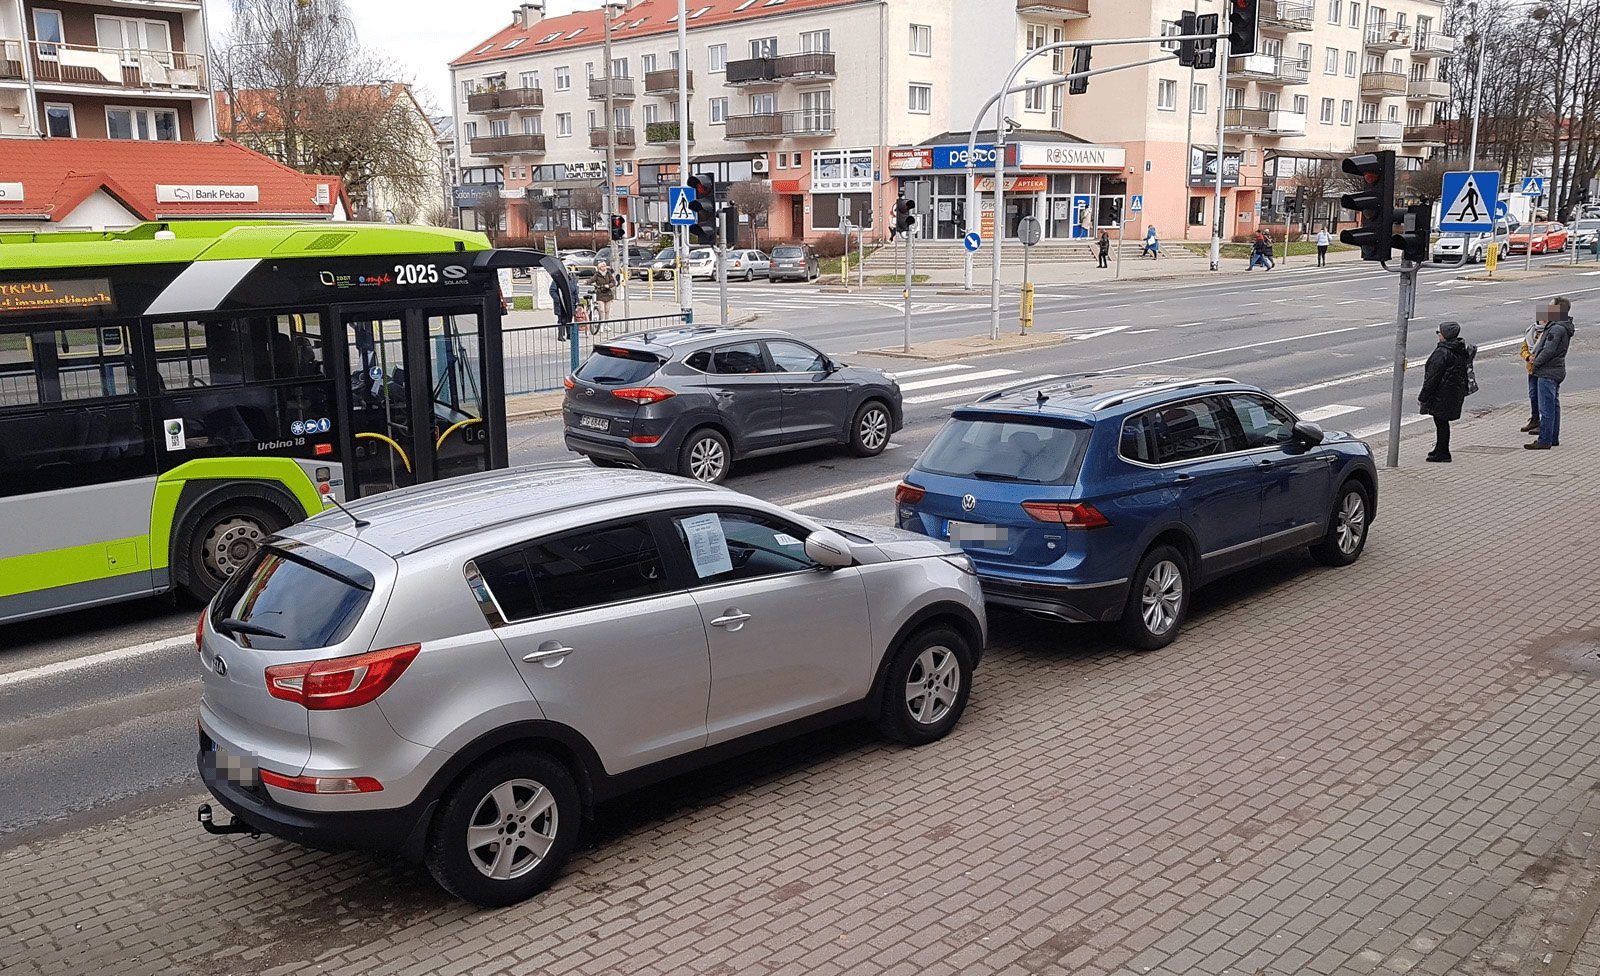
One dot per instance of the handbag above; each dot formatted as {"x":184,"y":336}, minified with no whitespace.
{"x":1472,"y":374}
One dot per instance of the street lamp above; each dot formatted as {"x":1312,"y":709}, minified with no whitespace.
{"x":1477,"y":85}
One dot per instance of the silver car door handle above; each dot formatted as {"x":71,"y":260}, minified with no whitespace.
{"x":550,"y":655}
{"x":733,"y":618}
{"x":725,"y":394}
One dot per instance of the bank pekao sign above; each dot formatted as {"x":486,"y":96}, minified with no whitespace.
{"x":1069,"y":156}
{"x":191,"y":193}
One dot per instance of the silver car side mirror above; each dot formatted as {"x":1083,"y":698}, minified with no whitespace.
{"x":828,"y":548}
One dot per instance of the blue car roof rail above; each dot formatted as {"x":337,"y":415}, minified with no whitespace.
{"x":1126,"y":395}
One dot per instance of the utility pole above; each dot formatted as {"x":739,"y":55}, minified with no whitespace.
{"x":680,"y":234}
{"x":619,"y":248}
{"x":1222,"y":116}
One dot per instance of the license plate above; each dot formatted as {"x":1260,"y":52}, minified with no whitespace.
{"x":977,"y":533}
{"x":594,"y":423}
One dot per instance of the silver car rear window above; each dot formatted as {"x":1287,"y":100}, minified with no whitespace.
{"x":304,"y":597}
{"x":996,"y":448}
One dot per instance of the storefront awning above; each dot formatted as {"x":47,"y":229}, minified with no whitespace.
{"x":786,"y":186}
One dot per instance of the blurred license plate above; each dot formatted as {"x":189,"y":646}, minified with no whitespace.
{"x":978,"y":533}
{"x":596,"y":423}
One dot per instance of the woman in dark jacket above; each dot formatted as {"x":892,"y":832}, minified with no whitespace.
{"x":1444,"y":386}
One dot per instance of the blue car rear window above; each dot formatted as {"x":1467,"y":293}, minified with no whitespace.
{"x":1019,"y":449}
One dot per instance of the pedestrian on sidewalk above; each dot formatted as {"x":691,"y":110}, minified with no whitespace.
{"x":1152,"y":243}
{"x":1529,"y":340}
{"x":1104,"y":248}
{"x":1444,"y":386}
{"x":566,"y":311}
{"x":1549,"y":364}
{"x":1323,"y":240}
{"x":605,"y":288}
{"x":1260,"y":252}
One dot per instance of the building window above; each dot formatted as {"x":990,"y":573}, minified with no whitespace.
{"x":1198,"y":95}
{"x":1300,"y":104}
{"x":563,"y":78}
{"x":815,"y":42}
{"x":619,"y":67}
{"x":1350,"y":64}
{"x":134,"y":37}
{"x":1333,"y":10}
{"x":563,"y":124}
{"x":530,"y":125}
{"x":1197,"y":211}
{"x":921,"y":101}
{"x":47,"y":31}
{"x":922,"y":40}
{"x":719,"y":110}
{"x":499,"y":127}
{"x":1330,"y":61}
{"x":1033,"y":98}
{"x":468,"y":89}
{"x":718,"y":54}
{"x":594,"y":120}
{"x":1170,"y":29}
{"x":528,"y":79}
{"x":1235,"y":98}
{"x":1327,"y":111}
{"x":816,"y":111}
{"x":1355,"y":14}
{"x":651,"y":114}
{"x":1166,"y":94}
{"x":588,"y":71}
{"x":469,"y":129}
{"x":1369,"y":111}
{"x":160,"y":125}
{"x":58,"y":121}
{"x":765,"y":103}
{"x":647,"y":63}
{"x":763,"y":47}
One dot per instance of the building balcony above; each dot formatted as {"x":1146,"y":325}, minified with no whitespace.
{"x":1384,"y":131}
{"x":664,"y":132}
{"x":1433,"y":134}
{"x":1433,"y":45}
{"x":1286,"y":16}
{"x":665,"y":82}
{"x":11,"y":59}
{"x":621,"y":88}
{"x":620,"y":137}
{"x":775,"y":71}
{"x":1247,"y":120}
{"x":1382,"y":36}
{"x":1428,"y":91}
{"x":778,"y":125}
{"x":523,"y":144}
{"x":1268,"y":69}
{"x":1287,"y":123}
{"x":505,"y":100}
{"x":1380,"y":84}
{"x":110,"y":67}
{"x":1064,"y":9}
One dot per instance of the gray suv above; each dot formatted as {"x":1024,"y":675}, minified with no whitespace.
{"x":693,"y":400}
{"x":459,"y":672}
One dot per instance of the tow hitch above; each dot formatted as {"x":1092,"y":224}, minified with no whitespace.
{"x":235,"y":826}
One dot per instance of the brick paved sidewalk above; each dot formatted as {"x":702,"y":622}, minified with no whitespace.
{"x":1386,"y":768}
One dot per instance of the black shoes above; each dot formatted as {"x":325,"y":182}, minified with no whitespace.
{"x":1537,"y":446}
{"x":1443,"y":458}
{"x":1531,"y":427}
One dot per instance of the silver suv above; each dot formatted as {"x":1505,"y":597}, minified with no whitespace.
{"x":459,"y":672}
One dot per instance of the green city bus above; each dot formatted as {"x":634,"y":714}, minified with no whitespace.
{"x":173,"y":393}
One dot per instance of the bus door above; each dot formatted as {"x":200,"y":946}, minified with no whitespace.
{"x":416,"y":396}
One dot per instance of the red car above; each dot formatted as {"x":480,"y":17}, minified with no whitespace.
{"x":1540,"y":238}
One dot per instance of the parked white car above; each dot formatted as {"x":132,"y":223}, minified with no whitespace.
{"x":1448,"y":249}
{"x":701,"y":263}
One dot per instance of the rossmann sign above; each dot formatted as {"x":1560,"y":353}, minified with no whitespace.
{"x":1069,"y":156}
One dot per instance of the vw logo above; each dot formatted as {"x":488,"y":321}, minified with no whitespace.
{"x":219,"y":665}
{"x":968,"y":503}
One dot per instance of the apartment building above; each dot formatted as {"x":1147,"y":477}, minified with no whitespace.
{"x":843,"y":105}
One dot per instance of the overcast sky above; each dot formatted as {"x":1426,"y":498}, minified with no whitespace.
{"x":423,"y":35}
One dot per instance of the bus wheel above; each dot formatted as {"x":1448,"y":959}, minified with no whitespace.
{"x":220,"y":542}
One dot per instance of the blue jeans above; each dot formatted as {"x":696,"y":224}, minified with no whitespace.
{"x":1261,"y":259}
{"x":1533,"y":395}
{"x":1549,"y":411}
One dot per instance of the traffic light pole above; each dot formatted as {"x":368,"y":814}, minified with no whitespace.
{"x":1402,"y":325}
{"x":1222,"y":158}
{"x":910,"y":270}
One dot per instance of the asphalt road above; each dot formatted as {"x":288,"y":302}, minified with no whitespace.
{"x":97,"y":708}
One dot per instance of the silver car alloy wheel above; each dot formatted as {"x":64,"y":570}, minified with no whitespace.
{"x":512,"y":829}
{"x":933,"y":685}
{"x":1162,"y":596}
{"x":707,"y":459}
{"x":1352,"y":522}
{"x":874,"y":429}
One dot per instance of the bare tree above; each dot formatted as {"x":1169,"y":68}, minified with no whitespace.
{"x":753,"y":199}
{"x":490,"y":210}
{"x":590,"y":205}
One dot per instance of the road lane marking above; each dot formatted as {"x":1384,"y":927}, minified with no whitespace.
{"x":963,"y":378}
{"x":839,"y":496}
{"x":931,"y":369}
{"x":1213,"y":352}
{"x":95,"y":660}
{"x":976,"y":391}
{"x":1331,"y":410}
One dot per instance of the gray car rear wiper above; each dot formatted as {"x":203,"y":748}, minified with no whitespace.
{"x":233,"y":625}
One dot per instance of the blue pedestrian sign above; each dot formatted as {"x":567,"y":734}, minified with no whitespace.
{"x":678,"y":212}
{"x":1533,"y":186}
{"x":1136,"y":204}
{"x":1470,"y":201}
{"x":972,"y":241}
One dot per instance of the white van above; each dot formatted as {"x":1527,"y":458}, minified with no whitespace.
{"x":1449,"y":247}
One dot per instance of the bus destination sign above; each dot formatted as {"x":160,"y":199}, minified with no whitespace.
{"x":46,"y":295}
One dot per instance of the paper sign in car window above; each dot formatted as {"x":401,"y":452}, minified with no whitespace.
{"x":784,"y":539}
{"x":708,"y":547}
{"x":1259,"y":419}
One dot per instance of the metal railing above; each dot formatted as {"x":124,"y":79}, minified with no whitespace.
{"x":79,"y":64}
{"x":537,"y":361}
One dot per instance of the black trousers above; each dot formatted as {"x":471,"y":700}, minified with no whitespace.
{"x":1441,"y":437}
{"x":1322,"y":255}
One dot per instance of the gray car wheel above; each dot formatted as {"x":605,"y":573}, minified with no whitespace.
{"x":1158,"y":600}
{"x":927,"y":686}
{"x":503,"y":834}
{"x":1347,"y":527}
{"x":869,"y":432}
{"x":704,"y":456}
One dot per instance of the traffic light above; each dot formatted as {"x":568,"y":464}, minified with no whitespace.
{"x":1416,"y":232}
{"x":1080,"y":64}
{"x":704,"y":205}
{"x":905,"y":210}
{"x":1374,"y":202}
{"x":1186,"y":30}
{"x":1242,"y":18}
{"x":619,"y":227}
{"x":1205,"y":48}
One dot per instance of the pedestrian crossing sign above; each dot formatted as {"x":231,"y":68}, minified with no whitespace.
{"x":1470,"y":200}
{"x":678,"y":200}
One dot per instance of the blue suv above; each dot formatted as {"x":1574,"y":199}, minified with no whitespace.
{"x":1110,"y":498}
